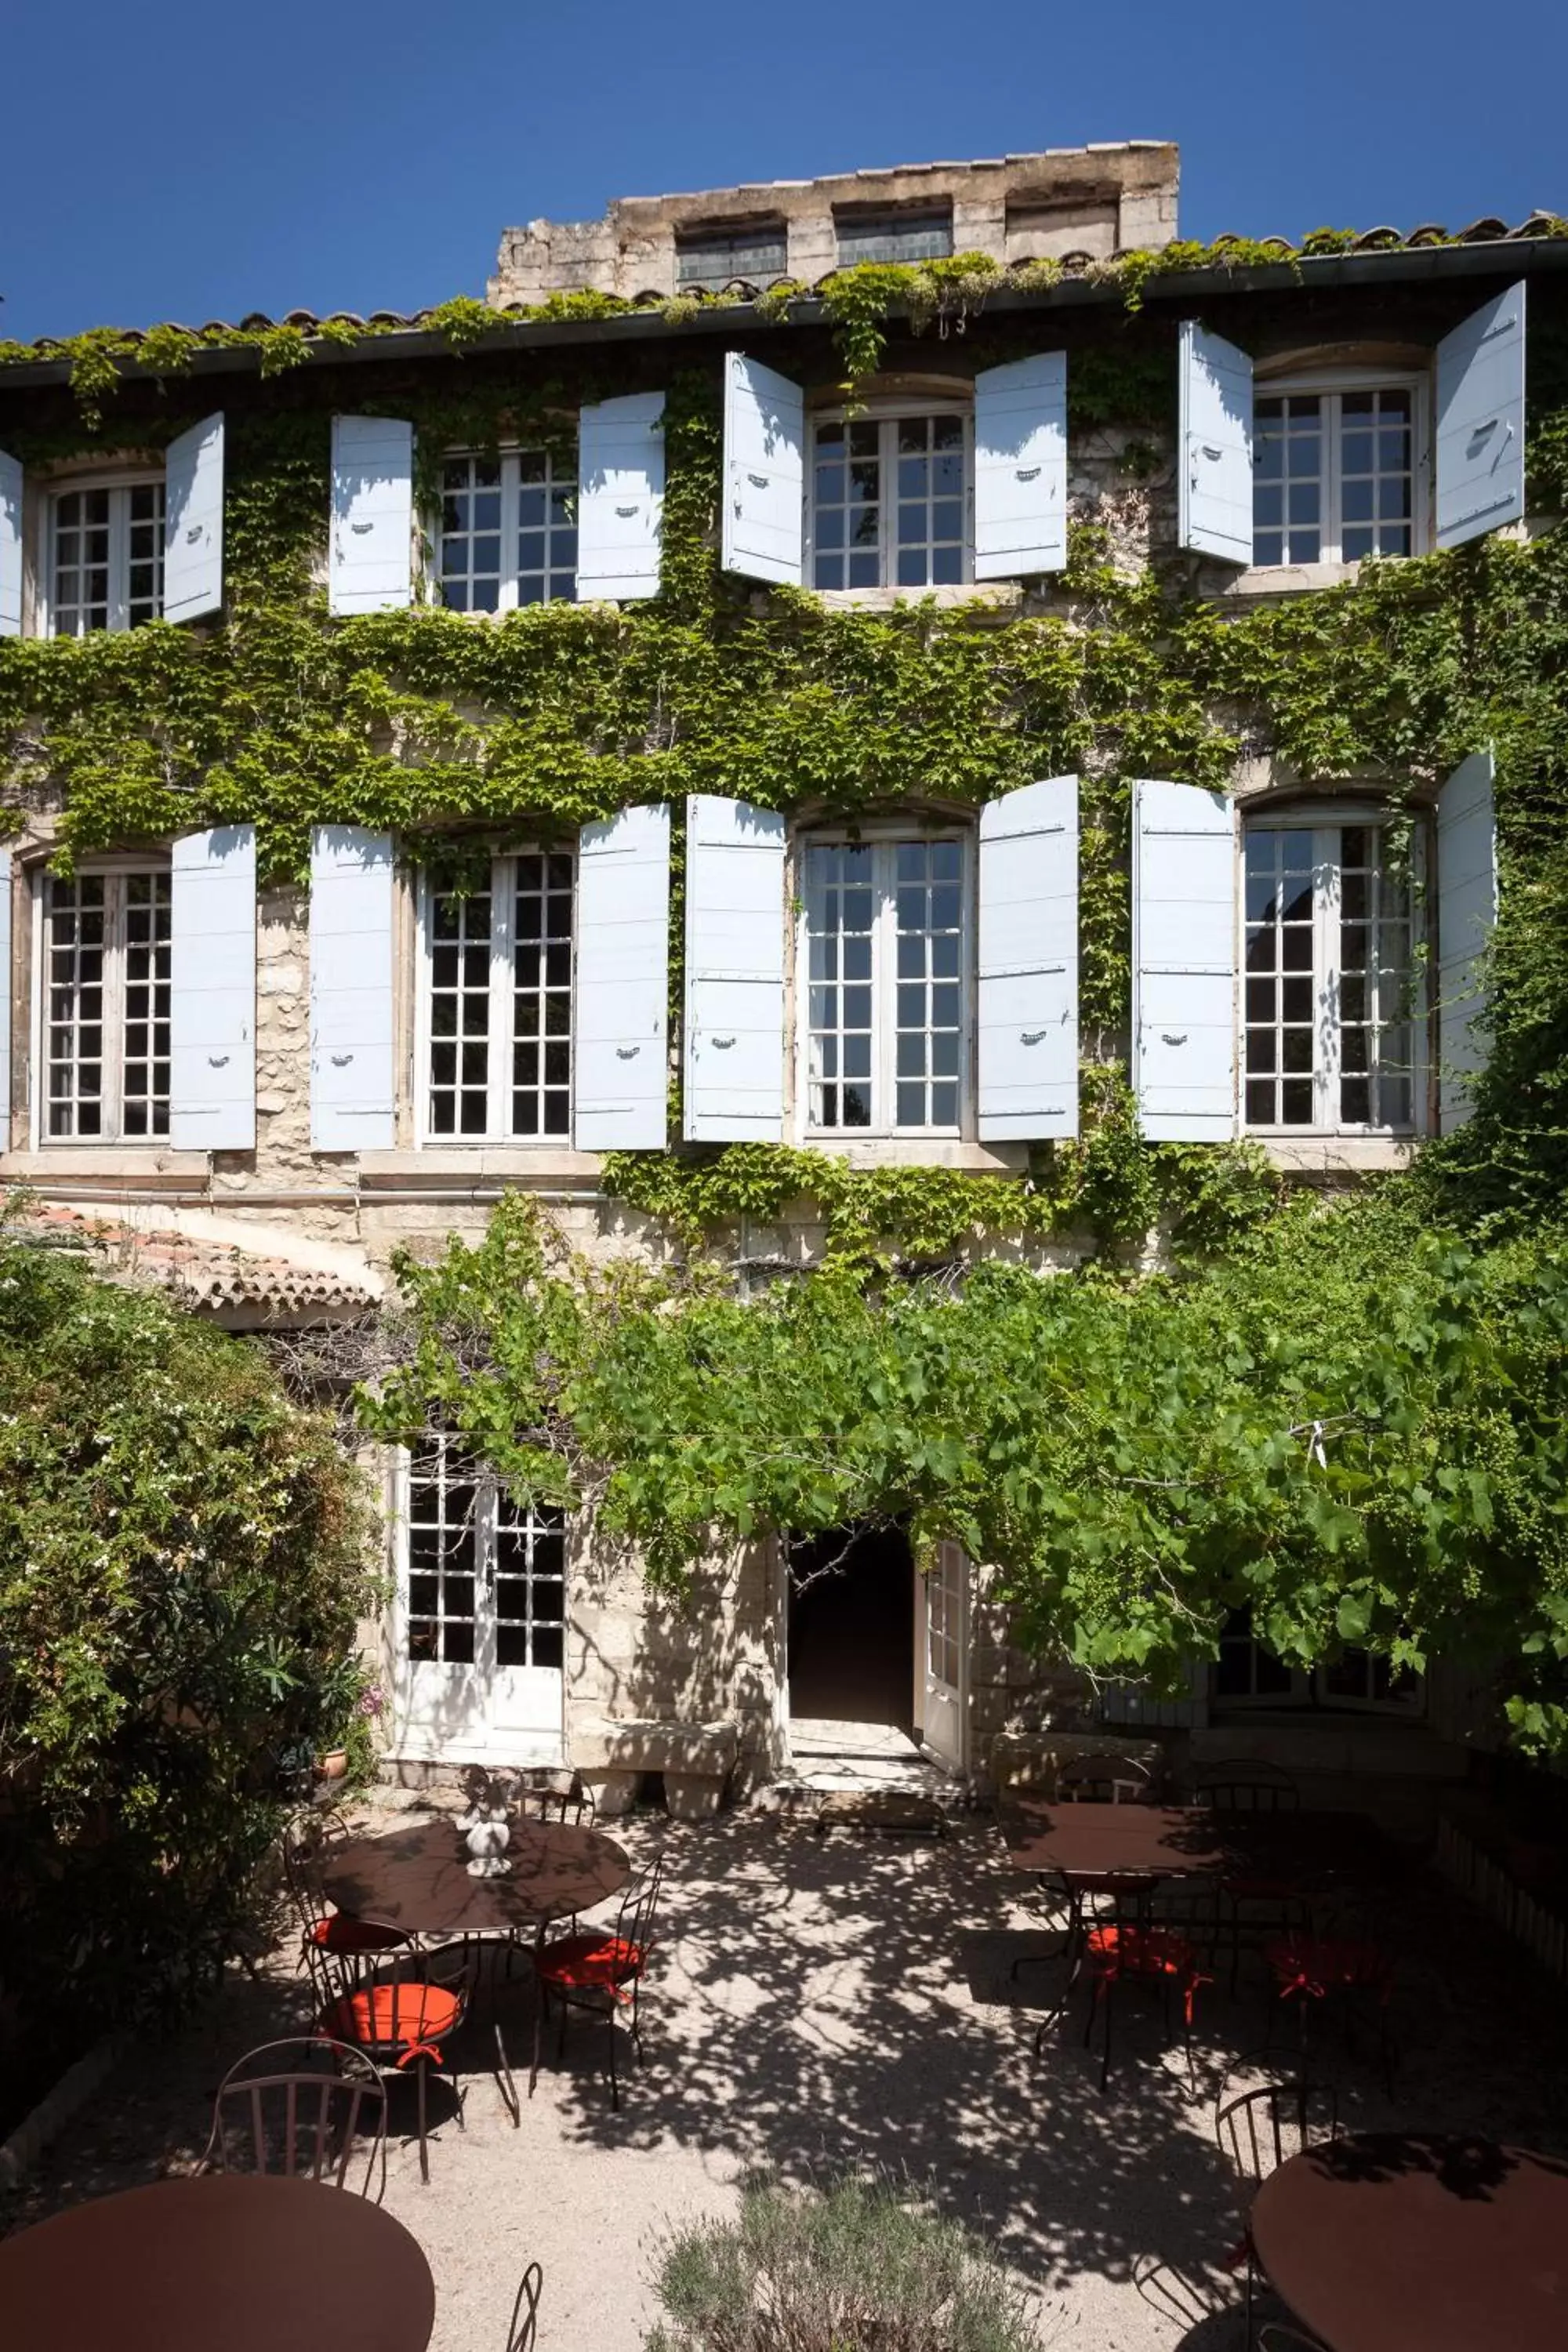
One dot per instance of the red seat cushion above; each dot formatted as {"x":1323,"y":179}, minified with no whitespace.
{"x":343,"y":1932}
{"x":410,"y":2017}
{"x":1117,"y":1951}
{"x":1315,"y":1966}
{"x":589,"y":1963}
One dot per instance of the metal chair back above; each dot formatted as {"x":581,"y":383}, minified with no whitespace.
{"x":1262,"y":2129}
{"x":1104,"y":1780}
{"x":552,"y":1794}
{"x":637,"y":1923}
{"x":1244,"y":1784}
{"x":524,"y":2328}
{"x":313,"y":2110}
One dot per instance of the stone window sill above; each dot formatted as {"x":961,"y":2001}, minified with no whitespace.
{"x":923,"y":1151}
{"x":106,"y":1160}
{"x":1333,"y":1155}
{"x":995,"y":595}
{"x":537,"y":1163}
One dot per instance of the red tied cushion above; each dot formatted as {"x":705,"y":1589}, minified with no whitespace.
{"x":381,"y":2016}
{"x":343,"y":1932}
{"x":1317,"y":1966}
{"x":591,"y":1963}
{"x":1144,"y":1952}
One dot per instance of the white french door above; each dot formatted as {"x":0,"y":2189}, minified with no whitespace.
{"x":480,"y":1618}
{"x":946,"y":1643}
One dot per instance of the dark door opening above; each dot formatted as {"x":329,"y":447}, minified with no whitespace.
{"x":852,"y":1627}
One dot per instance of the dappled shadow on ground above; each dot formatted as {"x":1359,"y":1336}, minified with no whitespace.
{"x":818,"y":2000}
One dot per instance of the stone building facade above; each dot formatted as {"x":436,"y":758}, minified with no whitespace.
{"x":1376,"y":347}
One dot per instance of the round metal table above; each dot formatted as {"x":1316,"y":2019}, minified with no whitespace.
{"x":1419,"y":2243}
{"x":252,"y":2262}
{"x":418,"y":1878}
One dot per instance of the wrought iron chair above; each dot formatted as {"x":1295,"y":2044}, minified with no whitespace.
{"x":307,"y":2109}
{"x":1104,"y":1780}
{"x":1258,"y":2130}
{"x":600,"y":1972}
{"x":1252,"y":1908}
{"x":549,"y":1792}
{"x":524,"y":2327}
{"x":402,"y":2013}
{"x":306,"y":1839}
{"x":1126,"y":1945}
{"x":1246,"y":1784}
{"x":1344,"y":1963}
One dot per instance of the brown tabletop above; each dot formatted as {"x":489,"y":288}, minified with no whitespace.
{"x":1101,"y":1840}
{"x":1417,"y":2242}
{"x":418,"y":1878}
{"x":249,"y":2262}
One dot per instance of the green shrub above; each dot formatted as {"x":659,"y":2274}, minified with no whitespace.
{"x":182,"y":1572}
{"x":859,"y":2265}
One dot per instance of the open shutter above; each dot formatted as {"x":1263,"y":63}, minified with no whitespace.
{"x":1026,"y":1030}
{"x":1021,"y":467}
{"x":7,"y":995}
{"x":620,"y":1078}
{"x":10,"y":547}
{"x":734,"y":972}
{"x":764,"y":471}
{"x":1481,"y":420}
{"x":1466,"y":910}
{"x":371,"y":568}
{"x":352,"y":1089}
{"x":620,"y":497}
{"x":212,"y":991}
{"x":193,"y":522}
{"x":1215,"y":481}
{"x":1183,"y":962}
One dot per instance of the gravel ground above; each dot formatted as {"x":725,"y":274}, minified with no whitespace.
{"x":817,"y":2001}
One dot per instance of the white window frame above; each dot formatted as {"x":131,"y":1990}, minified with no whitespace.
{"x":511,"y":487}
{"x":1308,"y":1694}
{"x":502,"y":1009}
{"x":886,"y":415}
{"x":492,"y":1500}
{"x":112,"y":871}
{"x":123,"y":481}
{"x":883,"y":840}
{"x":1329,"y":383}
{"x":1325,"y":822}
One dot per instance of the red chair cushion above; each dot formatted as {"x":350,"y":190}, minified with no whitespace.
{"x":591,"y":1963}
{"x":1141,"y":1951}
{"x":1315,"y":1966}
{"x":343,"y":1932}
{"x":408,"y":2017}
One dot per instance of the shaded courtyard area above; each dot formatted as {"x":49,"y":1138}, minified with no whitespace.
{"x":822,"y":2000}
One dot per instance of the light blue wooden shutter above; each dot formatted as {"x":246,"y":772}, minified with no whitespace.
{"x":620,"y":497}
{"x":764,"y":471}
{"x":10,"y":547}
{"x":352,"y":1084}
{"x":371,"y":567}
{"x":6,"y":995}
{"x":1466,"y":910}
{"x":620,"y":1078}
{"x":734,"y":972}
{"x":1021,"y":467}
{"x":1215,"y":480}
{"x":212,"y":990}
{"x":1183,"y":962}
{"x":1027,"y":1029}
{"x":193,"y":522}
{"x":1481,"y":420}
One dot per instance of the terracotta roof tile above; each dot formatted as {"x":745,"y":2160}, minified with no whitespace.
{"x":206,"y":1276}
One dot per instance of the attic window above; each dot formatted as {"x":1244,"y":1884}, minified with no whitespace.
{"x":707,"y":259}
{"x":894,"y":233}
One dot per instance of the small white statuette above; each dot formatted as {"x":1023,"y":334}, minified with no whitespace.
{"x":486,"y":1832}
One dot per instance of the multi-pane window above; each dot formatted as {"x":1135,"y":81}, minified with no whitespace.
{"x":106,"y":557}
{"x":507,"y":533}
{"x":889,"y":501}
{"x":487,"y":1575}
{"x":892,"y":233}
{"x":1330,"y":1009}
{"x":105,"y":991}
{"x":885,"y":931}
{"x":1248,"y":1671}
{"x":710,"y":259}
{"x":1336,"y":475}
{"x":498,"y":1016}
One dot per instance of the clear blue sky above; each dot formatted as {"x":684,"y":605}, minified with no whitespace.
{"x":185,"y":162}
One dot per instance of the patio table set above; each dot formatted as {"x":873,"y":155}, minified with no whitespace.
{"x":399,"y":1931}
{"x":1410,"y":2241}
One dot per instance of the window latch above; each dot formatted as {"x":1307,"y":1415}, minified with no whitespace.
{"x":626,"y":1052}
{"x":194,"y":533}
{"x":723,"y":1043}
{"x":1166,"y":1038}
{"x":759,"y":481}
{"x":1028,"y":473}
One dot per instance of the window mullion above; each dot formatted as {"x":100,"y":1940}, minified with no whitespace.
{"x":119,"y":614}
{"x":1326,"y":957}
{"x":1333,"y":499}
{"x":113,"y":1029}
{"x":887,"y":462}
{"x":503,"y":925}
{"x":506,"y":595}
{"x":884,"y":983}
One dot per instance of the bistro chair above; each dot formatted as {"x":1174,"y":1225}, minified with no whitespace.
{"x":1346,"y":1967}
{"x":1104,"y":1780}
{"x":1261,"y":2129}
{"x":307,"y":2109}
{"x":306,"y":1840}
{"x":599,"y":1971}
{"x":1252,"y":1907}
{"x":1125,"y":1944}
{"x":1245,"y":1784}
{"x":403,"y":2014}
{"x":549,"y":1792}
{"x":524,"y":2327}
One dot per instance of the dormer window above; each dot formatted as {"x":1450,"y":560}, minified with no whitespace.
{"x":709,"y":260}
{"x":106,"y":557}
{"x":892,"y":233}
{"x":1340,"y":470}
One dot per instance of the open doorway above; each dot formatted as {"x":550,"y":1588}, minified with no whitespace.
{"x":851,"y":1628}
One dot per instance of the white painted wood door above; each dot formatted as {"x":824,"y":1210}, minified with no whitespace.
{"x":479,"y":1620}
{"x":946,"y":1644}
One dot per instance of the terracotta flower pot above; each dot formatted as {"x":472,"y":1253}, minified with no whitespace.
{"x":333,"y":1765}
